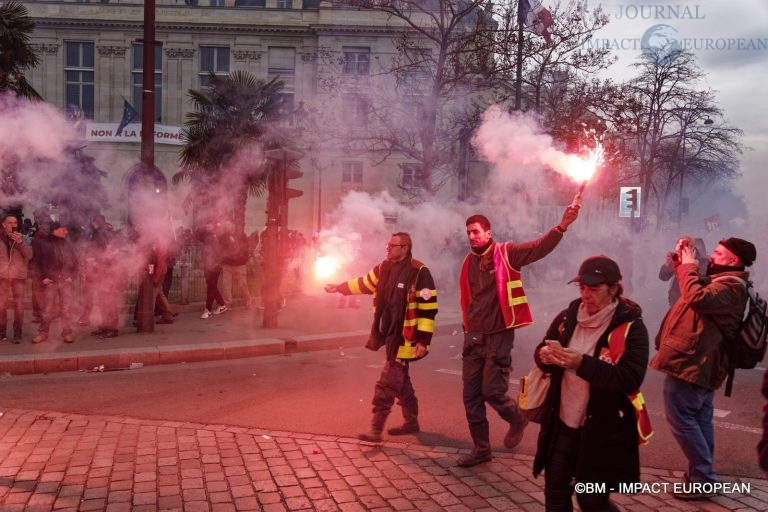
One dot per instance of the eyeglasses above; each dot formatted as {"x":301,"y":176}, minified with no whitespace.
{"x":389,"y":246}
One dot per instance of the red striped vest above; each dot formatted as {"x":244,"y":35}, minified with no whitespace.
{"x":509,"y":287}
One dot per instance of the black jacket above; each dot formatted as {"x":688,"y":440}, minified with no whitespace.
{"x":55,"y":259}
{"x":608,"y":450}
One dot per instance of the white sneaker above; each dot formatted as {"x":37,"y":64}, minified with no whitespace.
{"x":219,"y":310}
{"x":206,"y":314}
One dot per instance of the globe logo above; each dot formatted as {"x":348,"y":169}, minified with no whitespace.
{"x":661,"y":44}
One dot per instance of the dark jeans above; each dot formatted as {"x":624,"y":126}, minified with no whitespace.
{"x":212,"y":293}
{"x":57,"y":293}
{"x":689,"y":410}
{"x":559,"y":473}
{"x":394,"y":383}
{"x":485,"y":370}
{"x":15,"y":288}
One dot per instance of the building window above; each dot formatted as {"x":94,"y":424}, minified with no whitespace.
{"x":284,"y":4}
{"x":137,"y":76}
{"x":352,"y":173}
{"x":416,"y":70}
{"x":216,"y":3}
{"x":412,"y":177}
{"x":282,"y":64}
{"x":357,"y":61}
{"x":355,"y":110}
{"x":79,"y":77}
{"x":213,"y":58}
{"x":250,"y":3}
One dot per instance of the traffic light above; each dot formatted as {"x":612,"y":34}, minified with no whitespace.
{"x":632,"y":199}
{"x":290,"y":193}
{"x":629,"y":202}
{"x":284,"y":170}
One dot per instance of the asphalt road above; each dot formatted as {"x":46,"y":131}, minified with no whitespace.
{"x":329,"y":392}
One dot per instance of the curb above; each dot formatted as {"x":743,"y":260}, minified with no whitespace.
{"x":126,"y":358}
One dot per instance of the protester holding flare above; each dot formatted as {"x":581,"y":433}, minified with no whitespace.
{"x":405,"y":306}
{"x":493,"y":305}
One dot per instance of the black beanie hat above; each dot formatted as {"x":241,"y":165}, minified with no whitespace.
{"x":744,"y":250}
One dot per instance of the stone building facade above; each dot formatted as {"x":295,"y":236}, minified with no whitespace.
{"x":91,"y":61}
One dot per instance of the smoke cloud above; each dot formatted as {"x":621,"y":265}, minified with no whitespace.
{"x":514,"y":142}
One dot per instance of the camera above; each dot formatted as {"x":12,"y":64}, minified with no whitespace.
{"x":684,"y":243}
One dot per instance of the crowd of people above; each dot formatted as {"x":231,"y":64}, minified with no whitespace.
{"x":78,"y":275}
{"x":589,"y":429}
{"x":595,"y":353}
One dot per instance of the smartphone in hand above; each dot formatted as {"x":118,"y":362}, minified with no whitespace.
{"x":553,"y":344}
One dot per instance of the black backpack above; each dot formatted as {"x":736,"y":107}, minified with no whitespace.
{"x":748,"y":346}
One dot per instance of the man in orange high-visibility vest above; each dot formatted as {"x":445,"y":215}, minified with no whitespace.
{"x":493,"y":305}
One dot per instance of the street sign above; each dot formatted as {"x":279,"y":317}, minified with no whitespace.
{"x":629,"y":202}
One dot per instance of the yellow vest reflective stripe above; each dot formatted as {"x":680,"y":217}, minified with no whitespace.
{"x":509,"y":286}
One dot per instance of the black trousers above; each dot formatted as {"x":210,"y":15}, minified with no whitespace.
{"x":212,"y":293}
{"x":559,"y":475}
{"x":394,"y":383}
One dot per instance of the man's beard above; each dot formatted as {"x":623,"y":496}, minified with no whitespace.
{"x":714,"y":268}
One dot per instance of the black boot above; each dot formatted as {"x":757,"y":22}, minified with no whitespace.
{"x":411,"y":423}
{"x":482,"y":450}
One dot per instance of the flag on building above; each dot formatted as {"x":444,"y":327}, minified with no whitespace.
{"x":538,"y":19}
{"x":129,"y":115}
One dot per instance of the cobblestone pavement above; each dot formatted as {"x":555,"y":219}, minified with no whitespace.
{"x":65,"y":462}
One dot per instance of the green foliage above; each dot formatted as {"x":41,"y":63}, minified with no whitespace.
{"x":16,"y":53}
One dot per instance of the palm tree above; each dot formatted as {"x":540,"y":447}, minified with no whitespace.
{"x":16,"y":54}
{"x":234,"y":120}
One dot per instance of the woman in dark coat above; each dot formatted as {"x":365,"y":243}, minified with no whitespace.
{"x":589,"y":431}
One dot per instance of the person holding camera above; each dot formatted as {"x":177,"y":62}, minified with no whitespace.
{"x":667,"y":270}
{"x":16,"y":253}
{"x":691,"y":352}
{"x":405,"y":306}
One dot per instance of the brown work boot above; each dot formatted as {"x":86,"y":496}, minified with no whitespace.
{"x":473,"y":458}
{"x":405,"y":429}
{"x":371,"y":437}
{"x":67,"y":338}
{"x":515,"y":434}
{"x":39,"y":338}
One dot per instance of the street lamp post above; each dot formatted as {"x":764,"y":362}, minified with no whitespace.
{"x":682,"y":179}
{"x":319,"y":198}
